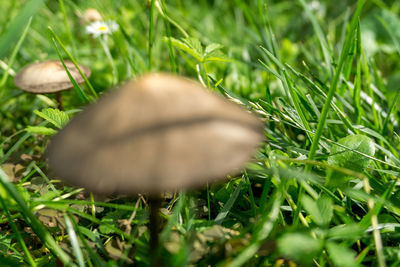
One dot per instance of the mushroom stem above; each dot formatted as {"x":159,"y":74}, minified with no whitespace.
{"x":155,"y":203}
{"x":59,"y":101}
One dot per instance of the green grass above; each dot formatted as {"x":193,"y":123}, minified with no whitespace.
{"x":315,"y":74}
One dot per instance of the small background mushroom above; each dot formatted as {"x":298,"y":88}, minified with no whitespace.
{"x":49,"y":77}
{"x":90,"y":15}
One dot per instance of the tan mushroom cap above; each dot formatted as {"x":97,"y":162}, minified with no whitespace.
{"x":159,"y":133}
{"x":92,"y":15}
{"x":48,"y":76}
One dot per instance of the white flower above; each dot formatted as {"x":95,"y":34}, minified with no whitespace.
{"x":316,"y":7}
{"x":98,"y":28}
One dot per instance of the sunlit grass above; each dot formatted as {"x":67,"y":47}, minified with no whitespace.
{"x":314,"y":72}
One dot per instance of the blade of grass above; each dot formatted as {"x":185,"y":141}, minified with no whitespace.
{"x":365,"y":69}
{"x":304,"y":122}
{"x":388,"y":153}
{"x":173,"y":219}
{"x":14,"y":54}
{"x":252,"y":201}
{"x":161,"y":5}
{"x":320,"y":36}
{"x":151,"y":34}
{"x":56,"y":38}
{"x":14,"y":147}
{"x":76,"y":249}
{"x":391,"y":34}
{"x":93,"y":256}
{"x":348,"y":64}
{"x":44,"y":176}
{"x":17,"y":234}
{"x":138,"y":63}
{"x":394,"y":104}
{"x":104,"y":43}
{"x":229,"y":204}
{"x":163,"y":12}
{"x":31,"y":219}
{"x":250,"y":16}
{"x":77,"y":88}
{"x":374,"y":222}
{"x":263,"y":199}
{"x":66,"y":26}
{"x":335,"y":80}
{"x":284,"y":77}
{"x":266,"y":224}
{"x":332,"y":89}
{"x":297,"y":105}
{"x":357,"y":84}
{"x":17,"y":25}
{"x":99,"y":222}
{"x":63,"y":202}
{"x":343,"y":117}
{"x":9,"y":12}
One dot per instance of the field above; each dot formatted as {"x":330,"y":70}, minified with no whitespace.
{"x":321,"y":190}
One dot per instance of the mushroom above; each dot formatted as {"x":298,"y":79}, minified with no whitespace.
{"x":157,"y":134}
{"x":92,"y":15}
{"x":49,"y":77}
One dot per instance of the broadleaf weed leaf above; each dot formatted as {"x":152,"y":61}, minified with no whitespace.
{"x":350,"y":153}
{"x":55,"y":116}
{"x":301,"y":247}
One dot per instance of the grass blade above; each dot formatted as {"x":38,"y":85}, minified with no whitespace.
{"x":18,"y":24}
{"x":56,"y":38}
{"x":14,"y":54}
{"x":31,"y":219}
{"x":335,"y":80}
{"x":320,"y":35}
{"x":151,"y":34}
{"x":18,"y":235}
{"x":74,"y":241}
{"x":229,"y":204}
